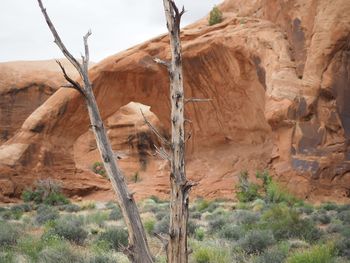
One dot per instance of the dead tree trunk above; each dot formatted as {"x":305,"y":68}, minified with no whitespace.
{"x":138,"y":250}
{"x":180,"y":186}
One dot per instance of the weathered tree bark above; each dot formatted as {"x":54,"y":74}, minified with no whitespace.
{"x":138,"y":250}
{"x":180,"y":186}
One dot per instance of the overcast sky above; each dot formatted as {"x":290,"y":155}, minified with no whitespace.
{"x":116,"y":25}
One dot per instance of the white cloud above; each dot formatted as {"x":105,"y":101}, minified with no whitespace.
{"x":116,"y":25}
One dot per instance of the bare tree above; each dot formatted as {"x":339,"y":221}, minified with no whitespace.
{"x":176,"y":243}
{"x":138,"y":250}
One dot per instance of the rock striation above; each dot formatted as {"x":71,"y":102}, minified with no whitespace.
{"x":277,"y":73}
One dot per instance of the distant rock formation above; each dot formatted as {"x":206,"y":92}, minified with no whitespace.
{"x":278,"y":76}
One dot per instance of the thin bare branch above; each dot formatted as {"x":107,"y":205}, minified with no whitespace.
{"x":87,"y":54}
{"x":58,"y":40}
{"x":154,"y":130}
{"x":162,"y":62}
{"x":162,"y":239}
{"x":162,"y":153}
{"x":197,"y":100}
{"x":74,"y":85}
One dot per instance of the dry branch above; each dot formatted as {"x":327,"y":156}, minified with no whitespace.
{"x":138,"y":250}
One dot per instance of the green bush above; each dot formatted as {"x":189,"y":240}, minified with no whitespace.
{"x":246,"y":191}
{"x":45,"y":213}
{"x":256,"y":241}
{"x":7,"y":256}
{"x":344,"y":216}
{"x":97,"y":218}
{"x":101,"y":258}
{"x":329,"y":206}
{"x":45,"y":191}
{"x":114,"y":238}
{"x":162,"y":226}
{"x":161,"y":214}
{"x":115,"y":214}
{"x":9,"y":234}
{"x":199,"y":234}
{"x":31,"y":247}
{"x":61,"y":253}
{"x":71,"y":208}
{"x":211,"y":253}
{"x":321,"y":217}
{"x":276,"y":194}
{"x":343,"y":247}
{"x":286,"y":223}
{"x":196,"y":215}
{"x":70,"y":229}
{"x":99,"y":168}
{"x":246,"y":217}
{"x":231,"y":232}
{"x":273,"y":255}
{"x":149,"y":226}
{"x":215,"y":16}
{"x":317,"y":254}
{"x":217,"y":223}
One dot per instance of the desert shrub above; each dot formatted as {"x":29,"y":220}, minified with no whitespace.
{"x":149,"y":225}
{"x":45,"y":191}
{"x":70,"y":229}
{"x":256,"y":241}
{"x":196,"y":215}
{"x":7,"y":256}
{"x":61,"y":253}
{"x":317,"y":254}
{"x":115,"y":238}
{"x":45,"y":213}
{"x":88,"y":206}
{"x":344,"y":216}
{"x":246,"y":217}
{"x":335,"y":227}
{"x":273,"y":255}
{"x":150,"y":205}
{"x":98,"y":168}
{"x":215,"y":16}
{"x":306,"y":209}
{"x":286,"y":223}
{"x":217,"y":223}
{"x":22,"y":207}
{"x":191,"y":227}
{"x":203,"y":205}
{"x":329,"y":206}
{"x":199,"y":234}
{"x":11,"y":214}
{"x":344,"y":207}
{"x":276,"y":194}
{"x":9,"y":234}
{"x":321,"y":217}
{"x":71,"y":208}
{"x":97,"y":218}
{"x":30,"y":247}
{"x":231,"y":232}
{"x":162,"y":226}
{"x":111,"y":205}
{"x":246,"y":191}
{"x":115,"y":214}
{"x":101,"y":258}
{"x":342,"y":246}
{"x":161,"y":214}
{"x":211,"y":253}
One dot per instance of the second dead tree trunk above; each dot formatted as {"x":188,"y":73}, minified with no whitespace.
{"x":176,"y":243}
{"x":138,"y":250}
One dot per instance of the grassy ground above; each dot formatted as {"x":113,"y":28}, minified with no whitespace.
{"x":267,"y":226}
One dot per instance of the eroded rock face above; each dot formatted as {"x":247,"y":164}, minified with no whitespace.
{"x":24,"y":86}
{"x":278,"y":76}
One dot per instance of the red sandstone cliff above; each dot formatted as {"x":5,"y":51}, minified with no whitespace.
{"x":278,"y":76}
